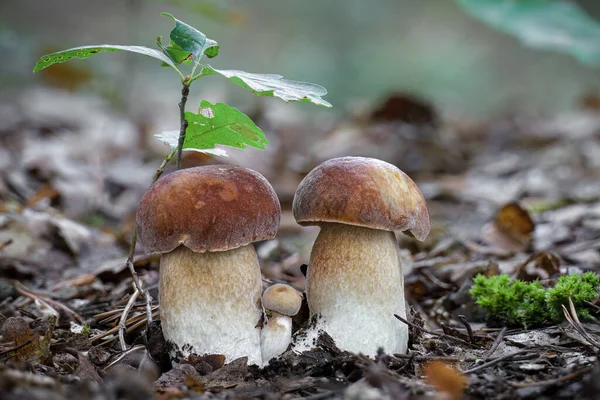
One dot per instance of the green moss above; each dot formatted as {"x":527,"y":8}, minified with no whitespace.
{"x":579,"y":288}
{"x":518,"y":303}
{"x":513,"y":302}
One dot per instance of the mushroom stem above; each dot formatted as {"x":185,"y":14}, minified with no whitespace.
{"x":210,"y":302}
{"x":355,"y":286}
{"x":276,"y":336}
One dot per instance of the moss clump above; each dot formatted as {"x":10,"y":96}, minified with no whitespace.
{"x":579,"y":288}
{"x":518,"y":303}
{"x":513,"y":302}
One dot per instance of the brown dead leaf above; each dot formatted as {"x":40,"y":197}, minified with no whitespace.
{"x":539,"y":266}
{"x":405,"y":108}
{"x":17,"y":331}
{"x":445,"y":379}
{"x":44,"y":192}
{"x":515,"y":221}
{"x":511,"y":230}
{"x":194,"y":384}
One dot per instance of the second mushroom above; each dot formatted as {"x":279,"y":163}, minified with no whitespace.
{"x":354,"y":281}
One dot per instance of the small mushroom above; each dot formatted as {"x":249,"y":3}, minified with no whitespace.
{"x":202,"y":221}
{"x":354,"y":280}
{"x":281,"y":302}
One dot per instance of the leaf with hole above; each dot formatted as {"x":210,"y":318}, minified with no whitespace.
{"x":189,"y":39}
{"x":217,"y":124}
{"x":90,"y":51}
{"x":273,"y":85}
{"x":559,"y":26}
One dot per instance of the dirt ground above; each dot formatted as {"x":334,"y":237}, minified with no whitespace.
{"x":516,"y":194}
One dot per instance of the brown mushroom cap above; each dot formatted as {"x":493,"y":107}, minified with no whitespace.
{"x":209,"y":208}
{"x":283,"y":299}
{"x":364,"y":192}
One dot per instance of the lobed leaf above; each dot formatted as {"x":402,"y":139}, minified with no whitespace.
{"x":273,"y":86}
{"x":189,"y":39}
{"x":90,"y":51}
{"x":559,"y":26}
{"x":217,"y":124}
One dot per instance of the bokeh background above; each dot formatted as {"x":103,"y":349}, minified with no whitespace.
{"x":360,"y":51}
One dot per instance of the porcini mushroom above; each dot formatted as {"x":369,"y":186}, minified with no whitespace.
{"x":202,"y":221}
{"x":281,"y":302}
{"x":354,"y":280}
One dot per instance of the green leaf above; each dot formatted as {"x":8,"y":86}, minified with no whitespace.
{"x":273,"y":86}
{"x":217,"y":124}
{"x":190,"y":39}
{"x":559,"y":26}
{"x":90,"y":51}
{"x":174,"y":52}
{"x":171,"y":138}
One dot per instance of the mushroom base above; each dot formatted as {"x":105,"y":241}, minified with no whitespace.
{"x":210,"y":303}
{"x":276,"y":336}
{"x":354,"y":288}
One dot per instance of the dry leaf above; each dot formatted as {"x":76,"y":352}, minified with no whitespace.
{"x":445,"y":379}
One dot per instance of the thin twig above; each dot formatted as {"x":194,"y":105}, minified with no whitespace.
{"x":46,"y":301}
{"x":129,"y":262}
{"x":441,"y":335}
{"x":550,"y":382}
{"x":132,"y":323}
{"x":496,"y":343}
{"x":432,"y":358}
{"x":15,"y":348}
{"x":573,"y":319}
{"x":124,"y":354}
{"x":495,"y":361}
{"x":468,"y":326}
{"x":123,"y":320}
{"x":185,"y":91}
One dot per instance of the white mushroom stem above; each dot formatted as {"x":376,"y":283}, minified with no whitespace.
{"x":210,"y":302}
{"x":276,"y":336}
{"x":354,"y":287}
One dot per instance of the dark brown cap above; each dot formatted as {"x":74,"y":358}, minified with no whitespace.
{"x":209,"y":208}
{"x":283,"y":299}
{"x":364,"y":192}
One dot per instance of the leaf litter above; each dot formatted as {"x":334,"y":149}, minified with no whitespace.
{"x":517,"y":195}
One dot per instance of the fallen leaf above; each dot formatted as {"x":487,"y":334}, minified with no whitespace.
{"x":445,"y":379}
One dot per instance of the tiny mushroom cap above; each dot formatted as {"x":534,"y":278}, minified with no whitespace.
{"x":210,"y":208}
{"x":363,"y":192}
{"x":202,"y":221}
{"x":283,"y":299}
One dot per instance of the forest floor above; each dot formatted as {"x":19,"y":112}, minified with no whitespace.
{"x":517,"y":195}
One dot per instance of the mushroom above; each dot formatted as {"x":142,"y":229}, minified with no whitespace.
{"x":202,"y":221}
{"x":281,"y":302}
{"x":354,"y":281}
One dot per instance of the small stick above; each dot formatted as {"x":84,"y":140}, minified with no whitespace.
{"x":550,"y":382}
{"x":185,"y":91}
{"x":573,"y":319}
{"x":495,"y":345}
{"x":15,"y":348}
{"x":468,"y":326}
{"x":495,"y":361}
{"x":442,"y":335}
{"x":129,"y":262}
{"x":123,"y":320}
{"x":432,"y":358}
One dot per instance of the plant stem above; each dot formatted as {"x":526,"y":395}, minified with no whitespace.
{"x":129,"y":263}
{"x":185,"y":91}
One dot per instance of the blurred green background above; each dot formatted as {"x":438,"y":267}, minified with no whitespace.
{"x":360,"y":51}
